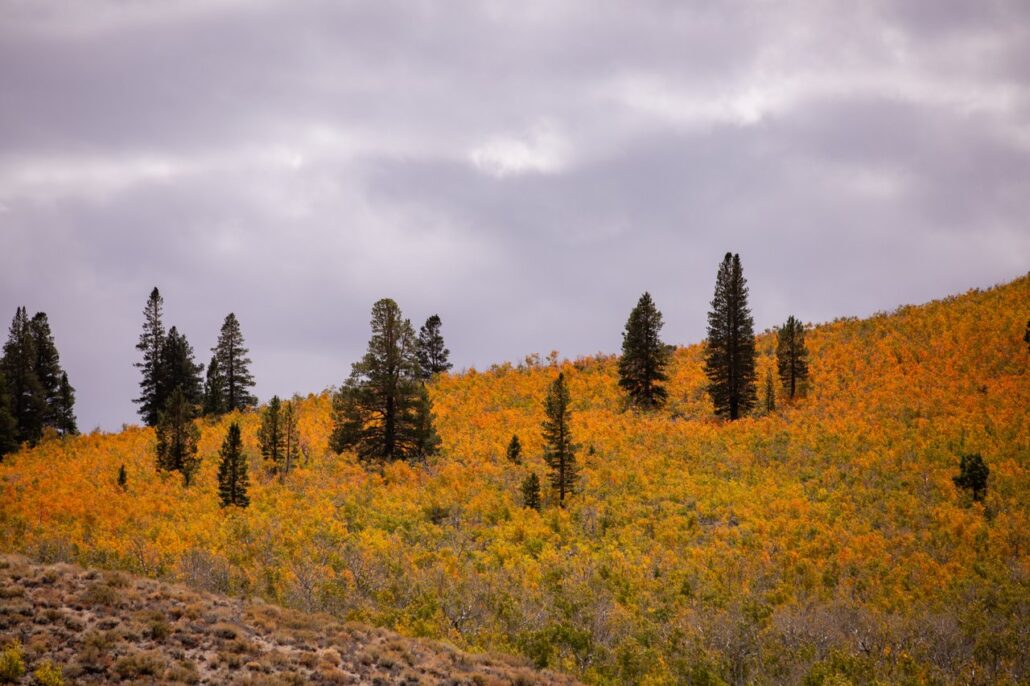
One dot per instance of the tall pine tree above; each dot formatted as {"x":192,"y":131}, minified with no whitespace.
{"x":233,"y":479}
{"x":730,"y":348}
{"x":8,"y":427}
{"x":151,"y":342}
{"x":792,"y":357}
{"x":559,"y":450}
{"x":432,"y":354}
{"x":179,"y":370}
{"x":51,"y":377}
{"x":214,"y":389}
{"x":234,"y":366}
{"x":644,"y":356}
{"x":64,"y":412}
{"x":514,"y":451}
{"x":291,"y":436}
{"x":381,"y":412}
{"x":177,"y":437}
{"x":27,"y":397}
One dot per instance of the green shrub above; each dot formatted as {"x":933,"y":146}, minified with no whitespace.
{"x":12,"y":663}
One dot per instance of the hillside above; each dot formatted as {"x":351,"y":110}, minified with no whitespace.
{"x":108,"y":627}
{"x":825,"y":543}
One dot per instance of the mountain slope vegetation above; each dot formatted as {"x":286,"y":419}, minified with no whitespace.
{"x":823,"y":543}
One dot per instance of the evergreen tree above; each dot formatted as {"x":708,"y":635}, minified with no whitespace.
{"x":26,"y":394}
{"x":272,"y":437}
{"x":178,"y":370}
{"x":234,"y":366}
{"x":123,"y":478}
{"x":559,"y":450}
{"x":233,"y":479}
{"x":644,"y":356}
{"x":730,"y":349}
{"x":531,"y":492}
{"x":177,"y":437}
{"x":382,"y":411}
{"x":770,"y":393}
{"x":214,"y":389}
{"x":151,"y":342}
{"x":65,"y":411}
{"x":432,"y":354}
{"x":792,"y":357}
{"x":514,"y":451}
{"x":427,"y":441}
{"x":49,"y":372}
{"x":973,"y":473}
{"x":291,"y":436}
{"x":8,"y":427}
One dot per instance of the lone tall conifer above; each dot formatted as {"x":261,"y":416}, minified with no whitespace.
{"x":559,"y":450}
{"x":792,"y":356}
{"x":432,"y":354}
{"x":234,"y":366}
{"x":730,"y":348}
{"x":644,"y":356}
{"x":151,"y":342}
{"x":233,"y":479}
{"x":382,"y":411}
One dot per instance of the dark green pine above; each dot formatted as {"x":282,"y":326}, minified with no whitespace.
{"x":150,"y":344}
{"x":382,"y":411}
{"x":8,"y":427}
{"x":26,"y":395}
{"x":432,"y":353}
{"x":531,"y":492}
{"x":730,"y":346}
{"x":234,"y":366}
{"x":973,"y":475}
{"x":179,"y":370}
{"x":233,"y":479}
{"x":214,"y":389}
{"x":644,"y":356}
{"x":559,"y":449}
{"x":177,"y":437}
{"x":514,"y":451}
{"x":792,"y":357}
{"x":272,"y":437}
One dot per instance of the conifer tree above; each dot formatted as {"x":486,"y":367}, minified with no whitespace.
{"x":177,"y":437}
{"x":770,"y":393}
{"x":272,"y":437}
{"x":178,"y":370}
{"x":64,"y":419}
{"x":123,"y":478}
{"x":427,"y":441}
{"x":382,"y":411}
{"x":730,"y":348}
{"x":26,"y":394}
{"x":51,"y":377}
{"x":8,"y":427}
{"x":559,"y":450}
{"x":233,"y":479}
{"x":432,"y":354}
{"x":291,"y":436}
{"x":792,"y":357}
{"x":214,"y":389}
{"x":514,"y":451}
{"x":234,"y":366}
{"x":151,"y":342}
{"x":973,"y":474}
{"x":531,"y":492}
{"x":644,"y":356}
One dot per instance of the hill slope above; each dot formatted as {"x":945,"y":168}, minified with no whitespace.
{"x":826,"y":541}
{"x":109,"y":627}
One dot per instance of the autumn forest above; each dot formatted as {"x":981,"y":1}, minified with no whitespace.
{"x":835,"y":503}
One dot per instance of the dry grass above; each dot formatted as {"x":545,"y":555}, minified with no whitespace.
{"x":92,"y":627}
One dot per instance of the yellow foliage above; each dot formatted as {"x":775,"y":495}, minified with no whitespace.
{"x":694,"y":547}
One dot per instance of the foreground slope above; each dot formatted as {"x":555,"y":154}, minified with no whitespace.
{"x":109,"y":627}
{"x":826,"y":541}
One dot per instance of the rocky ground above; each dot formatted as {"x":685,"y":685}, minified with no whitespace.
{"x":60,"y":624}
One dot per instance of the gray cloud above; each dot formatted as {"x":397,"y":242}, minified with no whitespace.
{"x":526,"y":171}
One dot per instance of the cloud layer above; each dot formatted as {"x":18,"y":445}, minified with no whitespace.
{"x":525,"y":170}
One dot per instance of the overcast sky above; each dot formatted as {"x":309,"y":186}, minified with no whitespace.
{"x":525,"y":169}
